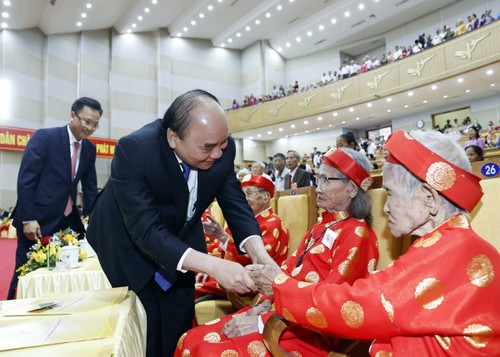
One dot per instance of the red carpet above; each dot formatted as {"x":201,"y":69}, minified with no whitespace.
{"x":7,"y":261}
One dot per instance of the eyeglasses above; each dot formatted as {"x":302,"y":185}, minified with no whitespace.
{"x":252,"y":193}
{"x":87,"y":123}
{"x":322,"y":180}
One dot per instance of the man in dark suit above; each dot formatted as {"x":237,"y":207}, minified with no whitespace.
{"x":54,"y":161}
{"x":146,"y":223}
{"x":297,"y":177}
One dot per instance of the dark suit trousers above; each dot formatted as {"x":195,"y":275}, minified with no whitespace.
{"x":24,"y":244}
{"x":169,"y":313}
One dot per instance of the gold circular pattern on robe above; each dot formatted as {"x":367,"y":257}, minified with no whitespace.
{"x":320,"y":248}
{"x":459,"y":222}
{"x":354,"y":254}
{"x":265,"y":214}
{"x":297,"y":270}
{"x":277,"y":247}
{"x":440,"y":176}
{"x":287,"y":315}
{"x":263,"y":233}
{"x":280,"y":279}
{"x":276,"y":232}
{"x":295,"y":354}
{"x":181,"y":340}
{"x":361,"y":232}
{"x":478,"y":336}
{"x":353,"y":314}
{"x":372,"y":265}
{"x":212,"y":337}
{"x":480,"y":271}
{"x":229,"y":353}
{"x":186,"y":353}
{"x":383,"y":354}
{"x":213,"y":322}
{"x":429,"y":293}
{"x":316,"y":318}
{"x":345,"y":268}
{"x":312,"y":277}
{"x":444,"y":342}
{"x":256,"y":349}
{"x":303,"y":284}
{"x":228,"y":256}
{"x":429,"y":241}
{"x":388,"y":307}
{"x":268,"y":247}
{"x":284,"y":266}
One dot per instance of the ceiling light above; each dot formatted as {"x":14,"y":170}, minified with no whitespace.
{"x":361,"y":6}
{"x":84,"y":15}
{"x":306,"y":122}
{"x":139,"y":18}
{"x":388,"y":110}
{"x":238,"y":34}
{"x":406,"y":105}
{"x":129,"y":30}
{"x":146,"y":10}
{"x":306,"y":131}
{"x":424,"y":101}
{"x":201,"y":15}
{"x":335,"y":114}
{"x":185,"y":29}
{"x":210,"y":7}
{"x":347,"y":14}
{"x":309,"y":33}
{"x":257,"y":22}
{"x":389,"y":99}
{"x":320,"y":118}
{"x":357,"y":118}
{"x":79,"y":24}
{"x":259,"y":135}
{"x":445,"y":96}
{"x":251,"y":138}
{"x":134,"y":25}
{"x":89,"y":6}
{"x":6,"y":3}
{"x":369,"y":105}
{"x":434,"y":87}
{"x":223,"y":45}
{"x":467,"y":91}
{"x":489,"y":72}
{"x":193,"y":22}
{"x":351,"y":109}
{"x":333,"y":20}
{"x":279,"y":7}
{"x":321,"y":27}
{"x":410,"y":94}
{"x":294,"y":133}
{"x":268,"y":14}
{"x":230,"y":40}
{"x":292,"y":126}
{"x":317,"y":128}
{"x":154,"y":2}
{"x":288,"y":44}
{"x":298,"y":39}
{"x":280,"y":49}
{"x":269,"y":132}
{"x":330,"y":125}
{"x":179,"y":34}
{"x":460,"y":80}
{"x":291,"y":0}
{"x":343,"y":121}
{"x":5,"y":15}
{"x":280,"y":129}
{"x":491,"y":85}
{"x":219,"y":0}
{"x":247,"y":28}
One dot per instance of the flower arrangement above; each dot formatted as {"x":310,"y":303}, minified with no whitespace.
{"x":5,"y":224}
{"x":47,"y":250}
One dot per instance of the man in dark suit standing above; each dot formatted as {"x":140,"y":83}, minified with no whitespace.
{"x":296,"y":177}
{"x":146,"y":223}
{"x":54,"y":161}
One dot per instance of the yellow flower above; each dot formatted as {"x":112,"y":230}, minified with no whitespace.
{"x":83,"y":254}
{"x":68,"y":238}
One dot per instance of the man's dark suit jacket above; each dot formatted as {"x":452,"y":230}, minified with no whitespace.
{"x":139,"y":219}
{"x":301,"y":177}
{"x":44,"y":182}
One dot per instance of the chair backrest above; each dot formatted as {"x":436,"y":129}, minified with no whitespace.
{"x":485,"y":214}
{"x":217,"y":213}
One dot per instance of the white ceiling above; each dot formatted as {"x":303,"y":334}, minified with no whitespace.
{"x":228,"y":18}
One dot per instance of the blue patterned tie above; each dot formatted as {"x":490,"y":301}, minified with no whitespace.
{"x":185,"y":170}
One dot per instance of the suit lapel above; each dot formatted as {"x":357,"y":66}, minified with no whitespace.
{"x":65,"y":148}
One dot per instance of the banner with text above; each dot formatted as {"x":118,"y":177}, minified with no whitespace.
{"x":15,"y":139}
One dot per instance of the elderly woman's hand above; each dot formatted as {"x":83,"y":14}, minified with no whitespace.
{"x":215,"y":230}
{"x":260,"y":309}
{"x":241,"y":325}
{"x":263,"y":276}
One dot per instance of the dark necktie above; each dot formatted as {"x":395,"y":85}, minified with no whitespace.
{"x":185,"y":170}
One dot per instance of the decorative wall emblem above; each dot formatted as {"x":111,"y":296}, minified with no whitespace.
{"x":340,"y":92}
{"x":416,"y":72}
{"x":246,"y":117}
{"x":306,"y":101}
{"x":274,"y":112}
{"x":376,"y":80}
{"x":471,"y":46}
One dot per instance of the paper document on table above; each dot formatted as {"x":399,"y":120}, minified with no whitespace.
{"x":23,"y":332}
{"x":69,"y":302}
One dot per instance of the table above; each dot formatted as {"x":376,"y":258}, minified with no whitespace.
{"x":129,"y":338}
{"x":89,"y":276}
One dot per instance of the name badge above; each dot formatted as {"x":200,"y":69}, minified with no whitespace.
{"x":329,"y":238}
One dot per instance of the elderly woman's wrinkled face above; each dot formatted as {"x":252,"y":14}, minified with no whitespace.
{"x":257,"y":169}
{"x":257,"y":198}
{"x":332,"y":195}
{"x":406,"y":214}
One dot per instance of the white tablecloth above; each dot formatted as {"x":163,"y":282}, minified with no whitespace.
{"x":89,"y":276}
{"x":129,"y":338}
